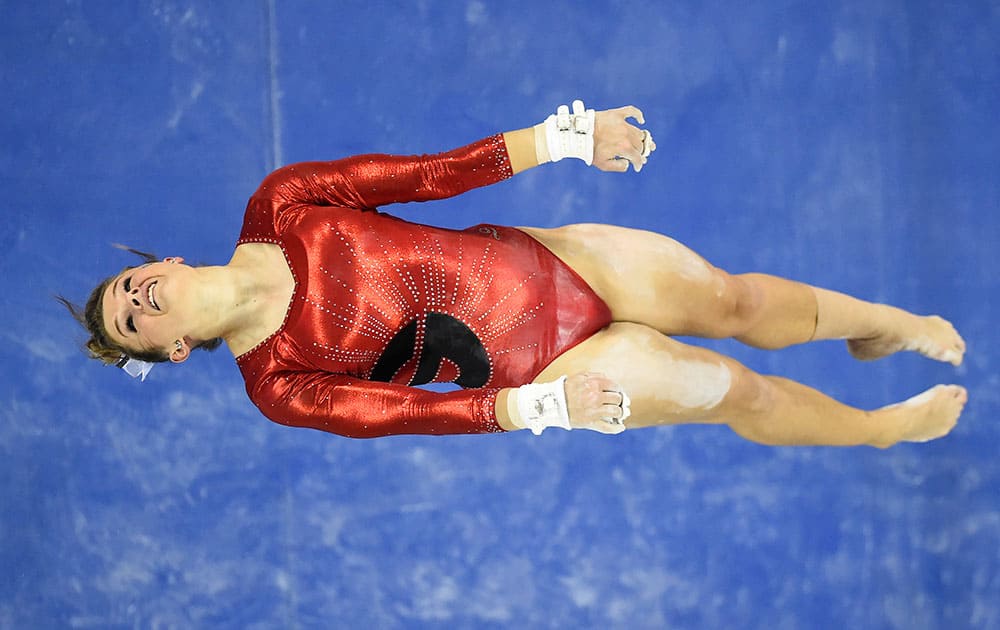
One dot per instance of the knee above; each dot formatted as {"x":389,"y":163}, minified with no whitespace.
{"x":750,"y":409}
{"x":750,"y":394}
{"x":739,"y":306}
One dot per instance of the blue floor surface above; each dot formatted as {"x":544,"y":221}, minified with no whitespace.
{"x":849,"y":144}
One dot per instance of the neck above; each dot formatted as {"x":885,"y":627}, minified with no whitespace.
{"x":225,"y":296}
{"x":249,"y":296}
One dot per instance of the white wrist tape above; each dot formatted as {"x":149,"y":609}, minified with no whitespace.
{"x":571,"y":135}
{"x":542,"y":405}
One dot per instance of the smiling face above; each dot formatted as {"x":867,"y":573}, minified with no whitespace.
{"x":145,"y":308}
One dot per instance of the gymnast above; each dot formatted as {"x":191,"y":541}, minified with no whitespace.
{"x":336,"y":311}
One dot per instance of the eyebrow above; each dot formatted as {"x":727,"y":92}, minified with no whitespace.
{"x":114,"y":289}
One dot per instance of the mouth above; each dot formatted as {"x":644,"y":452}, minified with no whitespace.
{"x":151,"y":297}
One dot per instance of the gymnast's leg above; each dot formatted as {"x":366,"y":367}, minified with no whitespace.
{"x":651,"y":279}
{"x":673,"y":383}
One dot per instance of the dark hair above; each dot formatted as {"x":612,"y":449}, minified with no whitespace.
{"x":91,"y":317}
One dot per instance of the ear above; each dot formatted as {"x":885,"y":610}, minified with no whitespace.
{"x":174,"y":260}
{"x":181,"y":351}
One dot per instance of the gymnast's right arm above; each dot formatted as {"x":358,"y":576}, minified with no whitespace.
{"x":358,"y":408}
{"x":616,"y":142}
{"x":366,"y":182}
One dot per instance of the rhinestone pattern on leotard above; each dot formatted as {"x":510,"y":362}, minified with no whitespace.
{"x":364,"y":279}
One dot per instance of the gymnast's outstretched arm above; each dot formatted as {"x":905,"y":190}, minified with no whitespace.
{"x":366,"y":182}
{"x":617,"y":143}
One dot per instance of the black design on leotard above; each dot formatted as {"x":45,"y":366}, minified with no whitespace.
{"x":445,"y":337}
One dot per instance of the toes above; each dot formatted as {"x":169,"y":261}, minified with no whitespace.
{"x":952,"y":356}
{"x":958,"y":344}
{"x":958,"y":353}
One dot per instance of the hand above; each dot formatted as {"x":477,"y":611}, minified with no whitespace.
{"x":618,"y":143}
{"x":595,"y":403}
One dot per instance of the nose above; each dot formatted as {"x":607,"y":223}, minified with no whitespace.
{"x":133,"y":297}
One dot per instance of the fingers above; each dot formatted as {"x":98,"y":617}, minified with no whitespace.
{"x":618,"y":143}
{"x":619,"y":160}
{"x":604,"y":404}
{"x":648,"y":146}
{"x":637,"y":137}
{"x":615,"y":406}
{"x":601,"y":383}
{"x":609,"y":428}
{"x":612,"y":397}
{"x":633,"y":156}
{"x":631,"y":111}
{"x":613,"y":165}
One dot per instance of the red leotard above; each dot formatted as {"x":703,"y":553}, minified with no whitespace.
{"x":381,"y":304}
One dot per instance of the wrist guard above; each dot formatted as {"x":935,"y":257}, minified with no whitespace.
{"x":542,"y":405}
{"x":571,"y":135}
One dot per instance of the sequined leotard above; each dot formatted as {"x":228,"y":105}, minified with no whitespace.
{"x":381,"y":304}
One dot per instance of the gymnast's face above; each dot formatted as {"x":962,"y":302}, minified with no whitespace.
{"x":145,"y":308}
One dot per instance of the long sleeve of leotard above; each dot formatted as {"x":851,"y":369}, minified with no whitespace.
{"x":337,"y":402}
{"x":366,"y":182}
{"x":356,"y":408}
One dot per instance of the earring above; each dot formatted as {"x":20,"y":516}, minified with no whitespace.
{"x":180,"y":346}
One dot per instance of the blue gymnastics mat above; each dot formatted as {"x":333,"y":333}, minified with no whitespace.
{"x":848,"y":144}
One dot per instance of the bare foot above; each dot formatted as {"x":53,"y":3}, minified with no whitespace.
{"x":927,"y":416}
{"x":931,"y":336}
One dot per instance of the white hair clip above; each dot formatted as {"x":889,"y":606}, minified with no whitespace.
{"x":134,"y":367}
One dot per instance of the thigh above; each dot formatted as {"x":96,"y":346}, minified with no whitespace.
{"x":648,"y":278}
{"x":668,"y":382}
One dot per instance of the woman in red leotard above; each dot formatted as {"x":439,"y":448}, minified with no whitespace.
{"x":335,"y":311}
